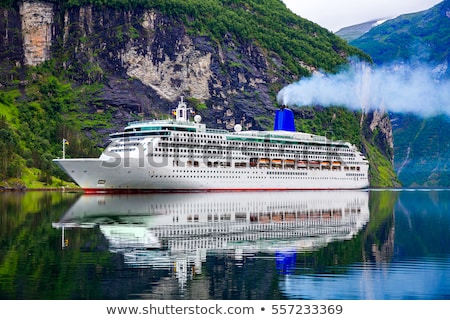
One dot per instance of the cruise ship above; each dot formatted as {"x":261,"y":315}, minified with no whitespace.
{"x":179,"y":154}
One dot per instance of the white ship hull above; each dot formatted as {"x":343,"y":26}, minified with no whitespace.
{"x":95,"y":175}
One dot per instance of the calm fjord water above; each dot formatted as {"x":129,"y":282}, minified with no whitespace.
{"x":377,"y":244}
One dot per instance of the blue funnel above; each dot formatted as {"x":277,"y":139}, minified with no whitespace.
{"x":284,"y":120}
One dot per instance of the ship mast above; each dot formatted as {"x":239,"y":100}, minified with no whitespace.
{"x":182,"y":111}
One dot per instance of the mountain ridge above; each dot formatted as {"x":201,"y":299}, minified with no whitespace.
{"x":353,"y":32}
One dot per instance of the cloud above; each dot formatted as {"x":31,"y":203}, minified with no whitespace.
{"x":396,"y":88}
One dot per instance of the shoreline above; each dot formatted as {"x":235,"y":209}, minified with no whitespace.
{"x":59,"y":189}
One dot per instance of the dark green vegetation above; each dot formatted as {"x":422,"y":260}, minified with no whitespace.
{"x":65,"y":96}
{"x":422,"y":151}
{"x":33,"y":122}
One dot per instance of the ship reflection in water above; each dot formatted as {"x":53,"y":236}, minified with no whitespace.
{"x":178,"y":231}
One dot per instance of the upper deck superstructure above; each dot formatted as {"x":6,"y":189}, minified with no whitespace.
{"x":179,"y":154}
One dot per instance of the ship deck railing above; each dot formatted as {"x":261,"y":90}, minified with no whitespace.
{"x":222,"y":131}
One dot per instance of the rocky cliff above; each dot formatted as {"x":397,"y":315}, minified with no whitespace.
{"x":37,"y":23}
{"x":145,"y":60}
{"x":119,"y":47}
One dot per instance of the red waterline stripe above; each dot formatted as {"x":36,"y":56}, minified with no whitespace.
{"x":128,"y":191}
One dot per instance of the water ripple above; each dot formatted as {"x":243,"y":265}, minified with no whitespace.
{"x":416,"y":278}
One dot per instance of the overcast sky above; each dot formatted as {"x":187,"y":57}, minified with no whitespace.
{"x":336,"y":14}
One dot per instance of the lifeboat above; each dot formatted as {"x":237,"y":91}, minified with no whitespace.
{"x":264,"y":163}
{"x":302,"y":163}
{"x":314,"y":165}
{"x":277,"y":163}
{"x":289,"y":163}
{"x":336,"y":166}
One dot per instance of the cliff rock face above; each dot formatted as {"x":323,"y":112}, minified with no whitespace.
{"x":168,"y":61}
{"x":146,"y":61}
{"x":380,"y":127}
{"x":37,"y":23}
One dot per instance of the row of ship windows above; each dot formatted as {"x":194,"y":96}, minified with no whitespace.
{"x":248,"y":177}
{"x":254,"y":217}
{"x":290,"y":173}
{"x":195,"y":136}
{"x":257,"y":146}
{"x":312,"y":155}
{"x":127,"y":140}
{"x":221,"y":164}
{"x":248,"y":151}
{"x":118,"y":145}
{"x":300,"y":206}
{"x":324,"y":156}
{"x":265,"y":172}
{"x":217,"y":164}
{"x":123,"y":150}
{"x":218,"y":140}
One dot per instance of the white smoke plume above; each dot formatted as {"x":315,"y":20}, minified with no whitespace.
{"x":395,"y":88}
